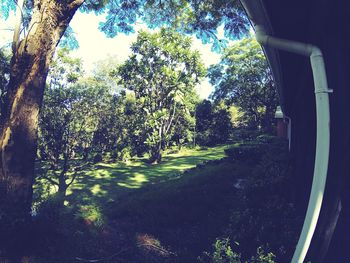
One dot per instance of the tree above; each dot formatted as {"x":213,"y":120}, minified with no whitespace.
{"x":162,"y":72}
{"x":221,"y":126}
{"x":244,"y":78}
{"x":4,"y":76}
{"x":118,"y":132}
{"x":19,"y":119}
{"x":213,"y":123}
{"x":38,"y":30}
{"x":204,"y":119}
{"x":68,"y":121}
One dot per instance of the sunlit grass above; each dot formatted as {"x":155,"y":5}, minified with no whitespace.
{"x":156,"y":202}
{"x":136,"y":173}
{"x":103,"y":179}
{"x":161,"y":211}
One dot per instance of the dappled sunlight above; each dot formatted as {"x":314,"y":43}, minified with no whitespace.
{"x":97,"y":190}
{"x":109,"y":182}
{"x":104,"y":178}
{"x":135,"y":181}
{"x":99,"y":173}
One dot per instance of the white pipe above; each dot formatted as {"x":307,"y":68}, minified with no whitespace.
{"x":289,"y":131}
{"x":322,"y":134}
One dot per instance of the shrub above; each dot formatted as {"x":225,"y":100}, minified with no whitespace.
{"x":266,"y":213}
{"x":91,"y":215}
{"x":223,"y":253}
{"x":125,"y":154}
{"x":245,"y":134}
{"x":249,"y":152}
{"x":50,"y":210}
{"x":266,"y":138}
{"x":97,"y":158}
{"x":262,"y":256}
{"x":173,"y":150}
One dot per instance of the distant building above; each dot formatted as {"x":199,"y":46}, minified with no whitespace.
{"x":283,"y":125}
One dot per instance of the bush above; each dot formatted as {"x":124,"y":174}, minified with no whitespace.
{"x":125,"y":154}
{"x":266,"y":138}
{"x":245,"y":134}
{"x":205,"y":138}
{"x":50,"y":210}
{"x":266,"y":213}
{"x":223,"y":253}
{"x":173,"y":150}
{"x":248,"y":152}
{"x":91,"y":215}
{"x":97,"y":158}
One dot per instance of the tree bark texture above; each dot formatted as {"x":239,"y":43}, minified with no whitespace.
{"x":18,"y":126}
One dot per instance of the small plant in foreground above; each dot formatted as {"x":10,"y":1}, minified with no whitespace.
{"x":91,"y":215}
{"x":223,"y":253}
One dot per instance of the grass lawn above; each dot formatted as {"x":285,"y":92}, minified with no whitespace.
{"x":105,"y":180}
{"x":178,"y":209}
{"x":168,"y":212}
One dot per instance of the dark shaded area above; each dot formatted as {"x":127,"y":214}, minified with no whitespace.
{"x":324,"y":24}
{"x":174,"y":218}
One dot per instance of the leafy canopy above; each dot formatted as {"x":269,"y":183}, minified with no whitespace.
{"x":162,"y":73}
{"x":243,"y":78}
{"x":201,"y":18}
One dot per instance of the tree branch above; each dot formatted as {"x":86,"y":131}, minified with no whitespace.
{"x":18,"y":23}
{"x":171,"y":119}
{"x":50,"y":180}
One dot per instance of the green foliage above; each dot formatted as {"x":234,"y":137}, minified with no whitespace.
{"x":221,"y":126}
{"x":245,"y":135}
{"x":118,"y":126}
{"x":162,"y":73}
{"x":91,"y":214}
{"x":50,"y":210}
{"x":267,"y":214}
{"x":69,"y":118}
{"x":4,"y":77}
{"x":244,"y":79}
{"x":201,"y":18}
{"x":266,"y":138}
{"x":246,"y":152}
{"x":116,"y":203}
{"x":258,"y":148}
{"x":223,"y":253}
{"x":263,"y":257}
{"x":124,"y":155}
{"x":213,"y":123}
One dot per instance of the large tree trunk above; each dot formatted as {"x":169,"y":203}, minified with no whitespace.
{"x":156,"y":154}
{"x":18,"y":126}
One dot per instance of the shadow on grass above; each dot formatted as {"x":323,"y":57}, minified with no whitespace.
{"x":108,"y":181}
{"x":153,"y":213}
